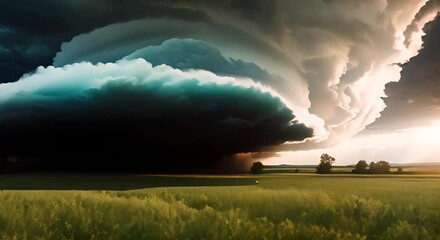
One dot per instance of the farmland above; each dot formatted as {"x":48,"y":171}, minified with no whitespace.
{"x":280,"y":206}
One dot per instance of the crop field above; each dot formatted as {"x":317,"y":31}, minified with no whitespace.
{"x":280,"y":206}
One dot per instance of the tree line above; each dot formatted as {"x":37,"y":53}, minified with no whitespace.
{"x":362,"y":167}
{"x":380,"y":167}
{"x":326,"y":164}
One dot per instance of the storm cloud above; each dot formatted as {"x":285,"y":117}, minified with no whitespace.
{"x":195,"y":54}
{"x":414,"y":100}
{"x":335,"y":58}
{"x":100,"y":114}
{"x":197,"y":79}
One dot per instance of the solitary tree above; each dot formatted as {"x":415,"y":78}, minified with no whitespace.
{"x":400,"y":170}
{"x":361,"y":167}
{"x":257,"y":168}
{"x":325,"y":165}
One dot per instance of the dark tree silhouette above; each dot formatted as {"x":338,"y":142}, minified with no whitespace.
{"x":399,"y":170}
{"x":361,"y":167}
{"x":325,"y":165}
{"x":296,"y":170}
{"x":257,"y":168}
{"x":379,"y":167}
{"x":372,"y":167}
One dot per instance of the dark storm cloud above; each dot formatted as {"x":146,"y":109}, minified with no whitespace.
{"x":356,"y":39}
{"x":32,"y":31}
{"x":112,"y":42}
{"x":415,"y":100}
{"x":194,"y":54}
{"x":32,"y":38}
{"x":17,"y":57}
{"x":131,"y":116}
{"x":36,"y":29}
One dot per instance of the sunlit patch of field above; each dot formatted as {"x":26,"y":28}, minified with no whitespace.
{"x":280,"y":206}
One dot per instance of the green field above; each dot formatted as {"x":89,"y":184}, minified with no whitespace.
{"x":280,"y":206}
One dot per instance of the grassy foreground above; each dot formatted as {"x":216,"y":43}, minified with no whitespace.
{"x":279,"y":207}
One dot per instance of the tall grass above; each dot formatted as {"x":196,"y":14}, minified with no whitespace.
{"x":272,"y":211}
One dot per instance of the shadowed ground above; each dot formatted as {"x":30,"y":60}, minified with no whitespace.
{"x":69,"y":181}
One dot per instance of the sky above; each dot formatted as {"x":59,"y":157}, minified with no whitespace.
{"x":192,"y":85}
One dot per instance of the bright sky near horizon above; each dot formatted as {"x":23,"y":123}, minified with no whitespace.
{"x":413,"y":145}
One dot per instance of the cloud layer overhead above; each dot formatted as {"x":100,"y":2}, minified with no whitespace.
{"x":167,"y":84}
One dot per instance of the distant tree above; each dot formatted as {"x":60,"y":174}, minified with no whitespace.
{"x":257,"y":168}
{"x":296,"y":170}
{"x":379,"y":167}
{"x":399,"y":170}
{"x":372,"y":167}
{"x":361,"y":167}
{"x":384,"y":166}
{"x":325,"y":164}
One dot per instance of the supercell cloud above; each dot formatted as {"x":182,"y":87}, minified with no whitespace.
{"x":86,"y":116}
{"x":168,"y":84}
